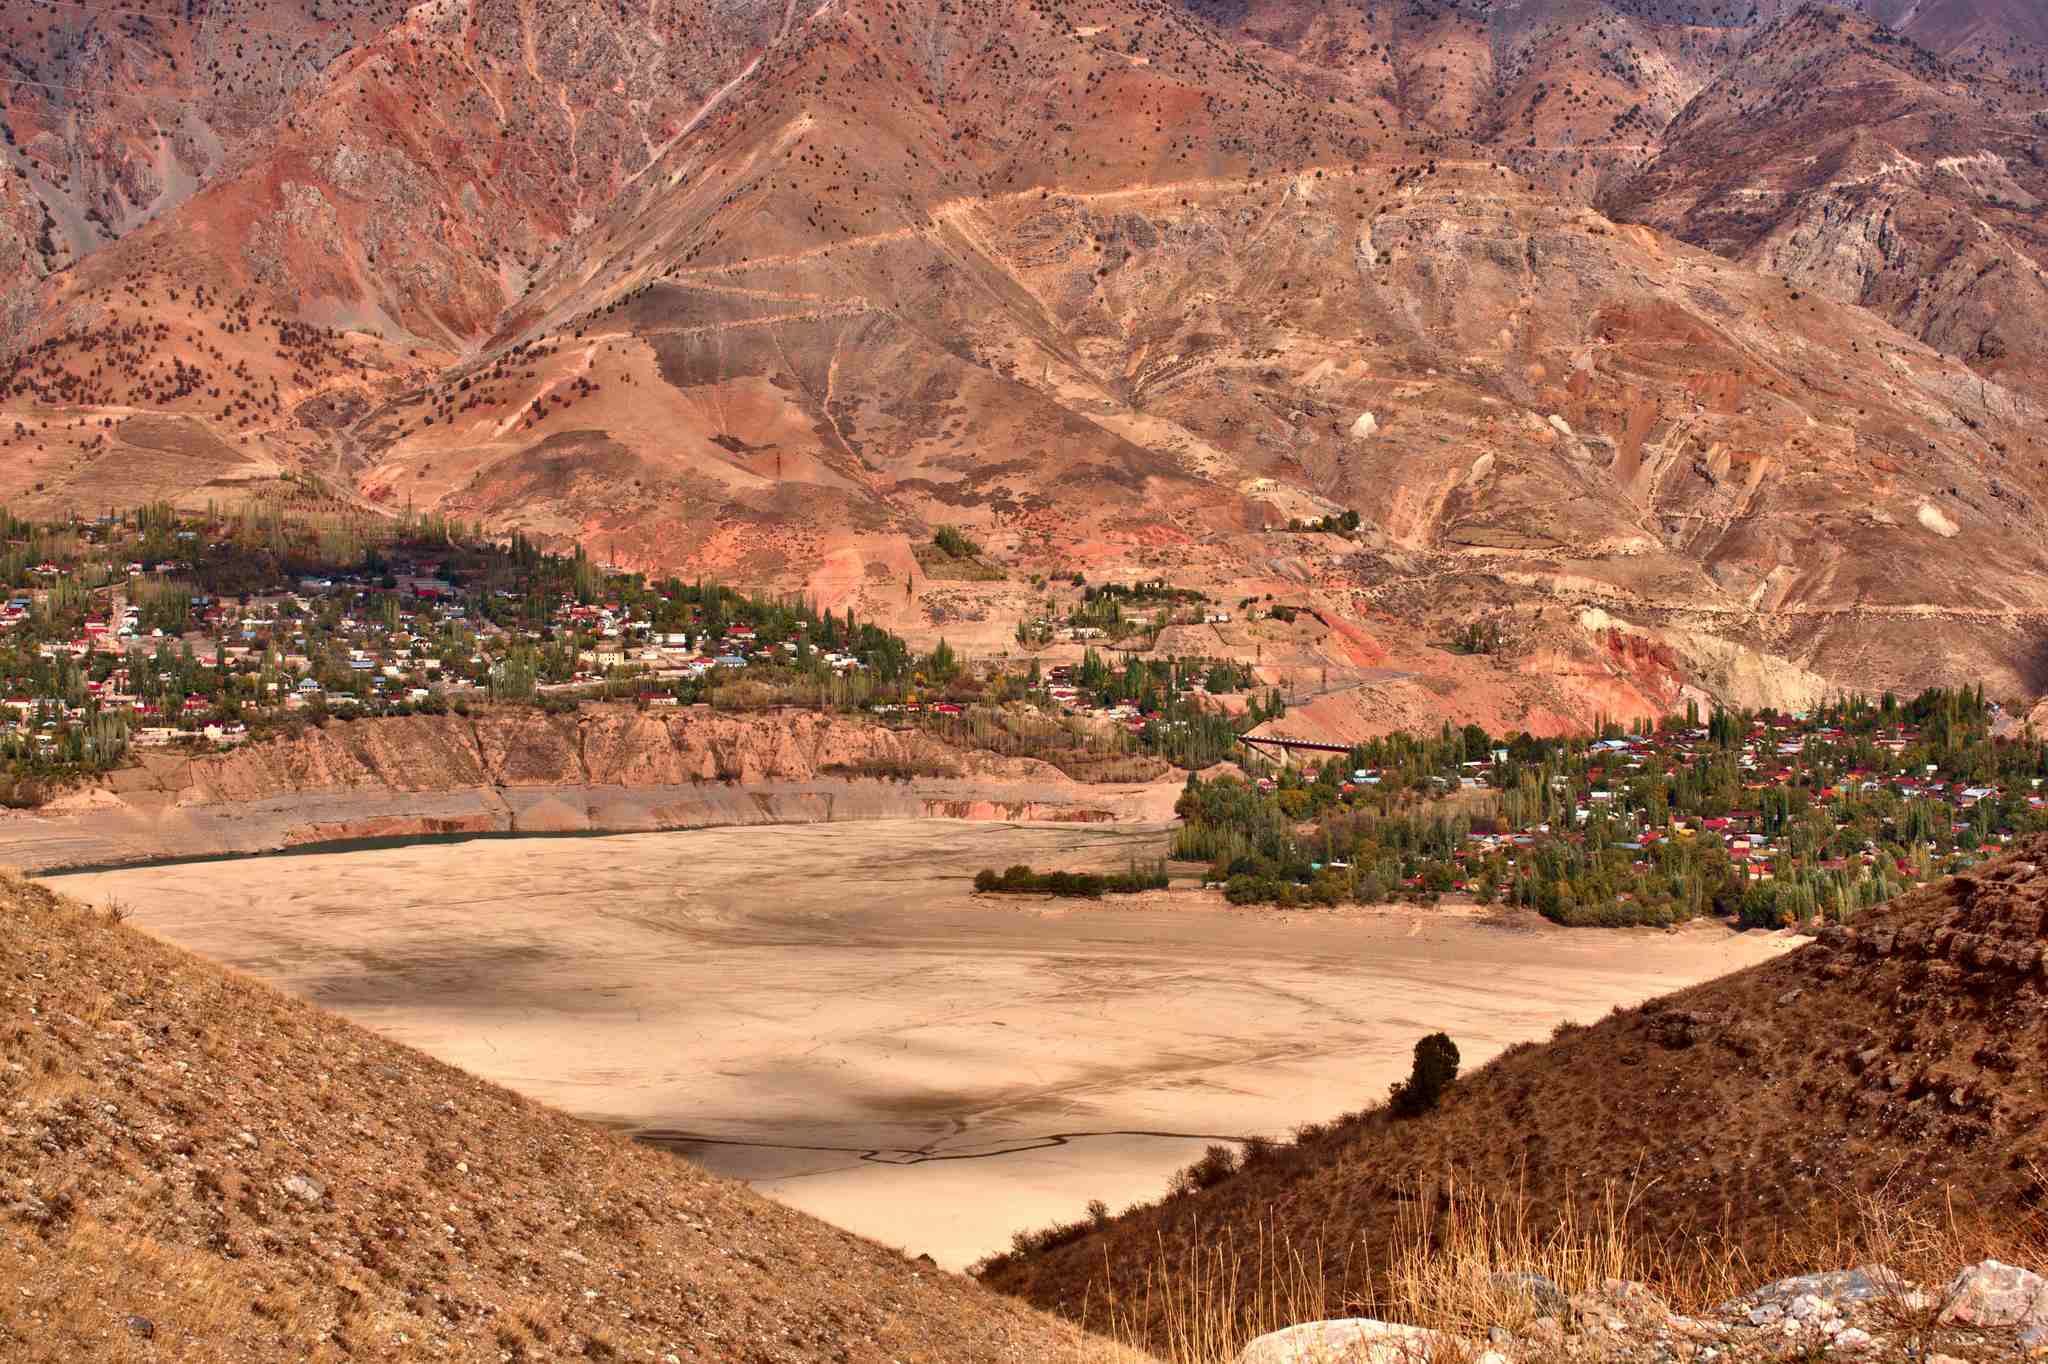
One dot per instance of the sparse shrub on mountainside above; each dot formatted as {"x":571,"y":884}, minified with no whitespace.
{"x":1436,"y":1070}
{"x":952,"y":555}
{"x":1217,"y":1164}
{"x":954,"y":542}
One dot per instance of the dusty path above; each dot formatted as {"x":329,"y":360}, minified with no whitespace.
{"x":828,"y":1011}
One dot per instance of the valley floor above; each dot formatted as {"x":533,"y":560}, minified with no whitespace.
{"x":828,"y":1011}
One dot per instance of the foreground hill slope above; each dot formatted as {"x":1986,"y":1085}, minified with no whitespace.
{"x":1903,"y":1056}
{"x":196,"y":1167}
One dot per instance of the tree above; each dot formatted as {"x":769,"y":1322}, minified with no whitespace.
{"x":1435,"y":1070}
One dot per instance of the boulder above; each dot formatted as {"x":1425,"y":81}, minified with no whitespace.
{"x":1539,"y":1289}
{"x":1366,"y":427}
{"x":1990,"y":1293}
{"x":1352,"y":1340}
{"x":1835,"y":1285}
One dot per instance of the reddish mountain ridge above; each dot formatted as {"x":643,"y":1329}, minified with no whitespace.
{"x":1113,"y":287}
{"x":112,"y":115}
{"x":412,"y":184}
{"x":1889,"y":178}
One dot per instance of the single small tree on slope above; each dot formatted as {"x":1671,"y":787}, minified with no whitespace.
{"x":1436,"y":1069}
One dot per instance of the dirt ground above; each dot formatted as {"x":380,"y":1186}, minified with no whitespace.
{"x":828,"y":1011}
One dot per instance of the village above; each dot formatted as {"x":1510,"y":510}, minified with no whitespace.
{"x":157,"y":630}
{"x":1764,"y":816}
{"x":99,"y":654}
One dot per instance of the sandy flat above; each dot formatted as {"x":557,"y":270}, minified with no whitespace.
{"x":828,"y":1011}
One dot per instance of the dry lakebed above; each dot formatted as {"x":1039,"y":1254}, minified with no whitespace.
{"x":829,"y":1011}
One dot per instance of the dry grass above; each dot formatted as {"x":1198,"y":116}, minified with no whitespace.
{"x":1470,"y":1266}
{"x":1475,"y":1263}
{"x":1235,"y":1288}
{"x":156,"y":1113}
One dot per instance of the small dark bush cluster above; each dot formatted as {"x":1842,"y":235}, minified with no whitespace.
{"x":1029,"y":1242}
{"x":1435,"y":1070}
{"x":1087,"y":885}
{"x":954,"y":543}
{"x":1345,"y":523}
{"x":1217,"y":1164}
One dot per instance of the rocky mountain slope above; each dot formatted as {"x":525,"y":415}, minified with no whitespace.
{"x":112,"y":115}
{"x":1120,"y":287}
{"x":1901,"y":1058}
{"x":200,"y":1168}
{"x":1888,"y":178}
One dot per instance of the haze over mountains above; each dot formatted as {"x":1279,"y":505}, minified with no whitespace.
{"x":1703,"y":340}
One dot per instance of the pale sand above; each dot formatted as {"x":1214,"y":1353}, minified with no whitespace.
{"x":908,"y":1061}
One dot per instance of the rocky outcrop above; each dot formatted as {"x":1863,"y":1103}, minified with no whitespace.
{"x":619,"y":746}
{"x":1989,"y":1310}
{"x":1860,"y":166}
{"x":603,"y":769}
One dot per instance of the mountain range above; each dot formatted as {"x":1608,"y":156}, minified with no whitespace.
{"x":1700,"y":344}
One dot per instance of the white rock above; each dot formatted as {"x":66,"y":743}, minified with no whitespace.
{"x":1993,"y":1294}
{"x":1366,"y":427}
{"x":305,"y":1190}
{"x":1855,"y":1338}
{"x":1937,"y":521}
{"x":1350,"y":1340}
{"x":1560,"y":425}
{"x":1806,"y":1307}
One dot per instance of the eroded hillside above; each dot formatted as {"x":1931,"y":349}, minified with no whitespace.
{"x":1121,"y":288}
{"x":1889,"y":178}
{"x":199,"y":1167}
{"x":1899,"y":1059}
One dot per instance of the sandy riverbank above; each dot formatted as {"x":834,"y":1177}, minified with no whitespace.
{"x":829,"y":1011}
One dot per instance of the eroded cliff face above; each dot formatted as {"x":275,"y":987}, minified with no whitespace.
{"x":597,"y":746}
{"x":603,"y":769}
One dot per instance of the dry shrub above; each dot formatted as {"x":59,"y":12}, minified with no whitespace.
{"x":1925,"y":1244}
{"x":1218,"y":1163}
{"x":1472,"y":1264}
{"x":900,"y":768}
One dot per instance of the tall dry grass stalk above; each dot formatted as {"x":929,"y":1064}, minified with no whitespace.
{"x":1466,"y":1258}
{"x":1233,"y":1288}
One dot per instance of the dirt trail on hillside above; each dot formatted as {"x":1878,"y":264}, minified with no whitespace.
{"x":830,"y":1012}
